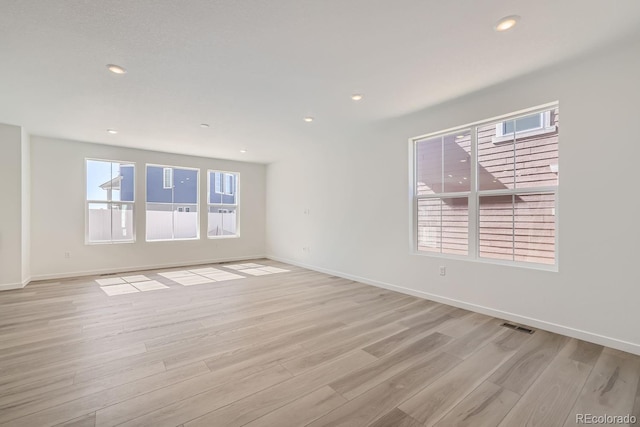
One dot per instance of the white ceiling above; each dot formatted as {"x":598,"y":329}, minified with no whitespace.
{"x":253,"y":69}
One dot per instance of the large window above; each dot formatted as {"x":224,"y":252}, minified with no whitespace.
{"x":109,"y":200}
{"x":172,"y":203}
{"x":222,"y":204}
{"x":489,"y":190}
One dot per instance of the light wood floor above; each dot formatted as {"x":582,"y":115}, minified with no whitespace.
{"x":288,"y":349}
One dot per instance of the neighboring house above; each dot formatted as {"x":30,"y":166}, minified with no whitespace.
{"x":223,"y":202}
{"x":173,"y":186}
{"x":171,"y":203}
{"x":516,"y":154}
{"x":123,"y":183}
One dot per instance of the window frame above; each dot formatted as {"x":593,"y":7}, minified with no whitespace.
{"x":475,"y":193}
{"x":110,"y":204}
{"x":236,"y":205}
{"x":146,"y":201}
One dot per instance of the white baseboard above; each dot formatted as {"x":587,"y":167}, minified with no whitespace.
{"x":67,"y":275}
{"x":536,"y":323}
{"x":10,"y":286}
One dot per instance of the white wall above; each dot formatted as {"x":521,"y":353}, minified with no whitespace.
{"x":58,"y":212}
{"x":357,"y":190}
{"x":10,"y":207}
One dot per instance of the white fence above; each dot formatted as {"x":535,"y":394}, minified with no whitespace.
{"x":161,"y":225}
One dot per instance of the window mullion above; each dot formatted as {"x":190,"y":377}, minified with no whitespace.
{"x":473,"y":198}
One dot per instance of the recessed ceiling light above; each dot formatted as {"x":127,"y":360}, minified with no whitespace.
{"x":308,"y":119}
{"x":464,"y":177}
{"x":459,"y":136}
{"x":450,"y":176}
{"x":356,"y":96}
{"x":204,"y":125}
{"x":116,"y":69}
{"x":243,"y":151}
{"x":112,"y":131}
{"x":506,"y":23}
{"x":463,"y":161}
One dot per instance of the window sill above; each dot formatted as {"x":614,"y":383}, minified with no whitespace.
{"x":234,"y":236}
{"x":173,"y":240}
{"x":526,"y":134}
{"x":122,"y":242}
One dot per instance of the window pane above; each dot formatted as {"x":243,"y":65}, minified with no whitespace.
{"x":429,"y":166}
{"x":222,"y":188}
{"x":535,"y":239}
{"x":185,"y":217}
{"x":185,"y":186}
{"x":455,"y":226}
{"x":457,"y":162}
{"x":156,"y":193}
{"x":222,"y":221}
{"x":496,"y":227}
{"x":99,"y":218}
{"x":537,"y":158}
{"x":495,"y":160}
{"x":519,"y":227}
{"x":110,"y":181}
{"x":443,"y":225}
{"x":121,"y":222}
{"x":127,"y":186}
{"x":172,"y":213}
{"x":429,"y":225}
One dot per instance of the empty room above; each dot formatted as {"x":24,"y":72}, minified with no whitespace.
{"x":319,"y":213}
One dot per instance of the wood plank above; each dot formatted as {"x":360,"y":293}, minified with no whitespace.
{"x":485,"y":406}
{"x":375,"y":403}
{"x":84,"y":421}
{"x":261,"y":403}
{"x":611,"y":387}
{"x":365,"y":378}
{"x":434,"y":401}
{"x":586,"y":352}
{"x":524,"y":367}
{"x":396,"y":418}
{"x":302,"y":411}
{"x":55,"y":407}
{"x":548,"y":402}
{"x":185,"y":409}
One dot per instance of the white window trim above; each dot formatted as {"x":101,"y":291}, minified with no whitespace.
{"x":545,"y":128}
{"x":235,"y":205}
{"x":474,"y":196}
{"x":221,"y":182}
{"x":146,"y":202}
{"x":226,"y":190}
{"x":164,"y":178}
{"x":109,"y":203}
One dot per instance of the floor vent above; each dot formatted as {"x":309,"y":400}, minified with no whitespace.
{"x":518,"y":328}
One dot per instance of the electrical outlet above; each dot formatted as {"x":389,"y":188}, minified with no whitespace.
{"x":443,"y":270}
{"x":67,"y":255}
